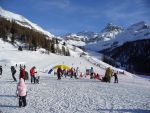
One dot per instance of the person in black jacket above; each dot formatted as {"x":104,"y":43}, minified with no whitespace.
{"x":116,"y":78}
{"x":59,"y":72}
{"x":13,"y":71}
{"x":1,"y":70}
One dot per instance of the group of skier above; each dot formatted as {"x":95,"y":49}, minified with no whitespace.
{"x":21,"y":87}
{"x":108,"y":74}
{"x":21,"y":91}
{"x":71,"y":72}
{"x":24,"y":74}
{"x":76,"y":73}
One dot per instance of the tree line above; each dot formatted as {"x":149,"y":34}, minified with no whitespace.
{"x":31,"y":38}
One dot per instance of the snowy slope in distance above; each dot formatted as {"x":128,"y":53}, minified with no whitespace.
{"x":137,"y":31}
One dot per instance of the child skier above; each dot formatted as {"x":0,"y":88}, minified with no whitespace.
{"x":22,"y":92}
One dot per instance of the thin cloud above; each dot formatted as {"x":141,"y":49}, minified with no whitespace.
{"x":121,"y":12}
{"x":67,"y":6}
{"x":51,"y":4}
{"x":57,"y":3}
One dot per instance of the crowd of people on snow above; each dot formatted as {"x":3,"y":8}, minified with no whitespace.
{"x":21,"y":91}
{"x":75,"y":72}
{"x":67,"y":72}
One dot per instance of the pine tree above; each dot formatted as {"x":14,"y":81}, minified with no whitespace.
{"x":57,"y":41}
{"x":63,"y":50}
{"x":12,"y":39}
{"x":48,"y":45}
{"x":67,"y":52}
{"x":58,"y":50}
{"x":53,"y":48}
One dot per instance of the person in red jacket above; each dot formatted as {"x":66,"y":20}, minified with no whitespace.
{"x":22,"y":73}
{"x":32,"y":74}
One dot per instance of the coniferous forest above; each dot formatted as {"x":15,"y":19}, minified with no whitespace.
{"x":133,"y":56}
{"x":30,"y":37}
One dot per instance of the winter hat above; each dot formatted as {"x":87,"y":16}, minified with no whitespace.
{"x":21,"y":67}
{"x":33,"y":67}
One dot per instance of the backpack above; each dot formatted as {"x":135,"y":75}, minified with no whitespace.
{"x":26,"y":75}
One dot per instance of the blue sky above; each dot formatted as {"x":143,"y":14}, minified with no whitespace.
{"x":65,"y":16}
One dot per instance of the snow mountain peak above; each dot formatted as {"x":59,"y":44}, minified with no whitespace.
{"x":138,"y":26}
{"x":137,"y":31}
{"x":109,"y":32}
{"x":112,"y":27}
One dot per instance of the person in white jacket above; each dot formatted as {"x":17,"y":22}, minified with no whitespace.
{"x":22,"y":93}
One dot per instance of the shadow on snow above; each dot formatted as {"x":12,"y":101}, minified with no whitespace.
{"x":125,"y":110}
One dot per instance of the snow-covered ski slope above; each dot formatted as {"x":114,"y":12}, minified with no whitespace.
{"x":131,"y":95}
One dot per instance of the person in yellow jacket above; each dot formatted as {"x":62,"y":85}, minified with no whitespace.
{"x":108,"y":74}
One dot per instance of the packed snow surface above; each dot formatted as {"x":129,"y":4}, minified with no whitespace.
{"x":69,"y":95}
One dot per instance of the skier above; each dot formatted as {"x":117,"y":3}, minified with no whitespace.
{"x":13,"y":71}
{"x":74,"y":73}
{"x":22,"y":93}
{"x":22,"y":73}
{"x":65,"y":72}
{"x":97,"y":76}
{"x":81,"y":75}
{"x":116,"y":78}
{"x":1,"y":70}
{"x":71,"y":72}
{"x":32,"y":74}
{"x":91,"y":73}
{"x":77,"y":72}
{"x":59,"y":72}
